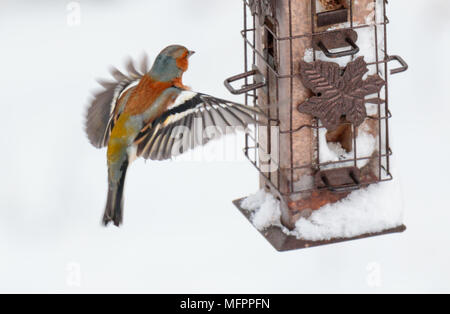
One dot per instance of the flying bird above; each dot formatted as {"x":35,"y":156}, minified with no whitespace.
{"x":146,"y":112}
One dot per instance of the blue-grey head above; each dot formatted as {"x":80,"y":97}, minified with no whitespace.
{"x":171,"y":63}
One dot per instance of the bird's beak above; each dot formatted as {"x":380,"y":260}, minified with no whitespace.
{"x":191,"y":53}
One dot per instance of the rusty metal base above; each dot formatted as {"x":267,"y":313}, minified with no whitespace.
{"x":283,"y":242}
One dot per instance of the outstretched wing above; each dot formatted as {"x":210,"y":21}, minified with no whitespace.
{"x":193,"y":120}
{"x":105,"y":106}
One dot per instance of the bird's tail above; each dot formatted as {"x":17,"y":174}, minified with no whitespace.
{"x":114,"y":203}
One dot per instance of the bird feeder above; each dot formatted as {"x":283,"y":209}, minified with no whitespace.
{"x":319,"y":70}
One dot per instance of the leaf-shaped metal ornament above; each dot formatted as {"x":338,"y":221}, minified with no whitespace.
{"x":338,"y":93}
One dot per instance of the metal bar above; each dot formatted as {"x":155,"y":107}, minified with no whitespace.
{"x":255,"y":97}
{"x":245,"y":67}
{"x":404,"y":66}
{"x":325,"y":164}
{"x":386,"y":104}
{"x":287,"y":76}
{"x":291,"y":99}
{"x":380,"y":148}
{"x":300,"y":36}
{"x":269,"y":183}
{"x":351,"y":52}
{"x":246,"y":88}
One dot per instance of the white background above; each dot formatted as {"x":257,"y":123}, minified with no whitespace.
{"x":181,"y":232}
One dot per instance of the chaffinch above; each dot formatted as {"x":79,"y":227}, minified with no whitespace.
{"x":145,"y":114}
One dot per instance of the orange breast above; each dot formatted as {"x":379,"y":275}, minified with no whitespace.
{"x":147,"y":91}
{"x":182,"y":62}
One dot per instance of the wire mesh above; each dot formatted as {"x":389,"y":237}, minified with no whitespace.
{"x":254,"y":148}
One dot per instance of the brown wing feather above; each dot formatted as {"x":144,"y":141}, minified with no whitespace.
{"x":104,"y":107}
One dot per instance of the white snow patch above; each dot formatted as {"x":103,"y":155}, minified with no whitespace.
{"x":371,"y":210}
{"x":254,"y":201}
{"x":265,"y":209}
{"x":331,"y":152}
{"x":372,"y":109}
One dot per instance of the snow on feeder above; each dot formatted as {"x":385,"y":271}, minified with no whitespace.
{"x":319,"y":70}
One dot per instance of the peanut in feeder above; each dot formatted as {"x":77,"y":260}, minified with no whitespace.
{"x":331,"y":4}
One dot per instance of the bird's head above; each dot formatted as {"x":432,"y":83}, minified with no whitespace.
{"x":171,"y":63}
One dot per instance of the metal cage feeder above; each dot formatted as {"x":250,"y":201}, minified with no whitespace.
{"x":290,"y":48}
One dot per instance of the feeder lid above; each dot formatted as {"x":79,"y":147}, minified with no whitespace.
{"x":263,"y":7}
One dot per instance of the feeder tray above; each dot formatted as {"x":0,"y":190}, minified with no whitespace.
{"x":283,"y":242}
